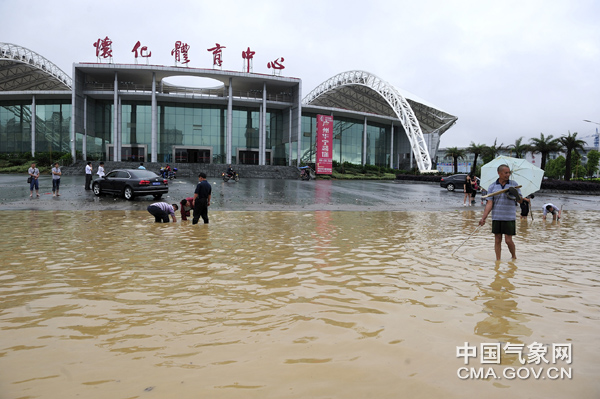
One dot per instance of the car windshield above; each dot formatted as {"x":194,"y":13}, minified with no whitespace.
{"x":145,"y":174}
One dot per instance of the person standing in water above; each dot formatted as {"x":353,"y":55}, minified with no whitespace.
{"x":503,"y":209}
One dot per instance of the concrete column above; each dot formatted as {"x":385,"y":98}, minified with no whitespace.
{"x":290,"y":138}
{"x":364,"y":152}
{"x":115,"y":143}
{"x":84,"y":138}
{"x":119,"y":128}
{"x":154,"y":112}
{"x":392,"y":146}
{"x":299,"y":100}
{"x":33,"y":117}
{"x":263,"y":120}
{"x":229,"y":148}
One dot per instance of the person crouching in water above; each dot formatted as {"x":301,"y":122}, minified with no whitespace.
{"x":556,"y":213}
{"x":162,"y":210}
{"x":187,"y":204}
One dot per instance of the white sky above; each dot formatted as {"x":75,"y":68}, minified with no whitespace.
{"x":506,"y":68}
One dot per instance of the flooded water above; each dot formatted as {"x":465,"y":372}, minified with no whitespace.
{"x":315,"y":304}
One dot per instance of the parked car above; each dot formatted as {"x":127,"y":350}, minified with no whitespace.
{"x":456,"y":182}
{"x":131,"y":183}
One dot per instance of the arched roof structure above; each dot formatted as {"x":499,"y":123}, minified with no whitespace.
{"x":364,"y":92}
{"x":24,"y":70}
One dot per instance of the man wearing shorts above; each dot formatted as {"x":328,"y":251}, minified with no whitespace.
{"x":503,"y":208}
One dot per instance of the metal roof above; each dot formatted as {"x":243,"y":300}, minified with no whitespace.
{"x":24,"y":70}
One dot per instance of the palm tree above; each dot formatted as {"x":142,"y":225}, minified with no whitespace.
{"x":476,"y":149}
{"x":544,"y":145}
{"x":519,"y":149}
{"x":455,"y":153}
{"x":492,"y":151}
{"x":571,"y":143}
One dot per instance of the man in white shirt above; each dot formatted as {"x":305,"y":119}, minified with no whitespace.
{"x":88,"y":176}
{"x":553,"y":210}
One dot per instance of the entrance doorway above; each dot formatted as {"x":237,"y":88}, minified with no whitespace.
{"x":129,"y":152}
{"x":192,"y":154}
{"x":247,"y":156}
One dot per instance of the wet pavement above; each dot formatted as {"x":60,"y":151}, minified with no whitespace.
{"x":269,"y":194}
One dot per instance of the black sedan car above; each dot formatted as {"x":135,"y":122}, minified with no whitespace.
{"x":131,"y":183}
{"x":456,"y":182}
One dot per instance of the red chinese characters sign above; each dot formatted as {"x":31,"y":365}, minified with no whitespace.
{"x":324,"y":141}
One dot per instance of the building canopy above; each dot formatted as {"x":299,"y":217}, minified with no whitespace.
{"x":364,"y":92}
{"x":24,"y":70}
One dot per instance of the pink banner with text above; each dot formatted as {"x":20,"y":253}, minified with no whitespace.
{"x":324,"y":140}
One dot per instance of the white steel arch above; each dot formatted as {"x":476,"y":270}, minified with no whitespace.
{"x":399,"y":105}
{"x":23,"y":69}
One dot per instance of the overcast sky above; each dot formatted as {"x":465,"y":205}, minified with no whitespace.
{"x":506,"y":69}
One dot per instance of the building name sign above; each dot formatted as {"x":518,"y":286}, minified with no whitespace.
{"x":180,"y":53}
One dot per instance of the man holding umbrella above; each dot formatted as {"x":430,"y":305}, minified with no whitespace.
{"x":502,"y":200}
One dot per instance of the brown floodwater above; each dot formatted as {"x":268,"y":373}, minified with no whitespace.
{"x":320,"y":304}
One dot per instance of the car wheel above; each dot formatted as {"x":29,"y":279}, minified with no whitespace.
{"x":450,"y":187}
{"x":128,"y":193}
{"x":96,"y":189}
{"x":157,"y":196}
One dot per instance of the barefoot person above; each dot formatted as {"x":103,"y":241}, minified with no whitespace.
{"x":503,"y":208}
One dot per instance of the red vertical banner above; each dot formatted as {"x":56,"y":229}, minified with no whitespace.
{"x":324,"y":141}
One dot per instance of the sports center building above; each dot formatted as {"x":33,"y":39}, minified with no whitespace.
{"x":130,"y":112}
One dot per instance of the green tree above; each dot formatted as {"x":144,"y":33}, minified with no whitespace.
{"x":555,"y":168}
{"x":576,"y":169}
{"x":519,"y":148}
{"x":571,"y":143}
{"x":492,"y":151}
{"x":544,"y":146}
{"x":476,"y":149}
{"x":593,"y":157}
{"x":455,"y":153}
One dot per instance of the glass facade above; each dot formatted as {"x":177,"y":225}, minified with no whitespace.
{"x":197,"y":133}
{"x":52,"y":126}
{"x":189,"y":132}
{"x":348,"y":141}
{"x":15,"y":126}
{"x":190,"y":125}
{"x":378,"y":145}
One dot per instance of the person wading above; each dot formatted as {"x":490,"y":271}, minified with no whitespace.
{"x":201,"y":199}
{"x":503,"y":208}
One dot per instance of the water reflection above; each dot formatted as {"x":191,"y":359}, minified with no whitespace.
{"x":504,"y":322}
{"x":301,"y":304}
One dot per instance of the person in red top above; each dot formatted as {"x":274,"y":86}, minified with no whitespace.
{"x":187,"y":204}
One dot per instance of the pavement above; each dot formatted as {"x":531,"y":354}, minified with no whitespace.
{"x":271,"y":195}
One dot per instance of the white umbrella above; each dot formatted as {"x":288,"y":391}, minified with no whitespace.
{"x":527,"y":175}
